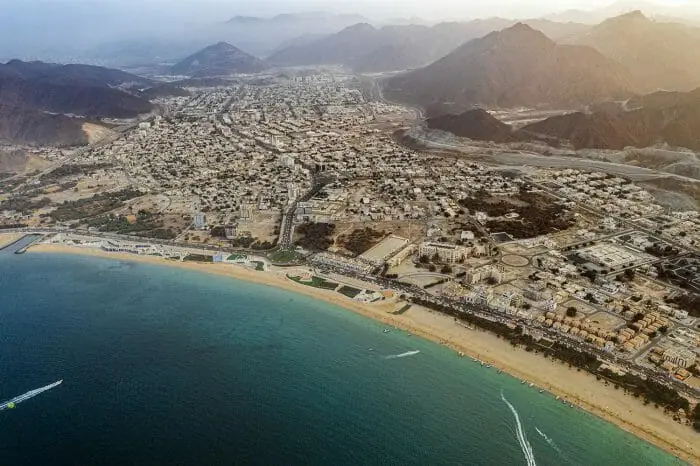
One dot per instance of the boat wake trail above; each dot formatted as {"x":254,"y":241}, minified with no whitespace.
{"x":402,"y":355}
{"x":520,"y":434}
{"x":30,"y":394}
{"x":551,"y":443}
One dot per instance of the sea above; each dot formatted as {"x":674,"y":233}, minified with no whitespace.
{"x":163,"y":366}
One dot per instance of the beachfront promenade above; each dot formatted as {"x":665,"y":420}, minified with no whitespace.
{"x":412,"y":292}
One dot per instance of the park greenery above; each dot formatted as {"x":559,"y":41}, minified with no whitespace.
{"x":96,"y":205}
{"x":315,"y":236}
{"x":360,"y":240}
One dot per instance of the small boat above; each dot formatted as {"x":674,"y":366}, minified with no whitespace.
{"x":488,"y":366}
{"x":500,"y":371}
{"x":531,"y":385}
{"x":461,"y":355}
{"x":541,"y":391}
{"x":558,"y":398}
{"x":522,"y":382}
{"x":386,"y":330}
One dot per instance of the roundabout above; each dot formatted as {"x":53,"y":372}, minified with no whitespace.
{"x":514,"y":260}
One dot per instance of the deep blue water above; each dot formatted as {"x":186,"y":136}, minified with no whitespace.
{"x":167,"y":367}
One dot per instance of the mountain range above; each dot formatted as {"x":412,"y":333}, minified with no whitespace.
{"x":366,"y":48}
{"x":220,"y":59}
{"x":517,"y":66}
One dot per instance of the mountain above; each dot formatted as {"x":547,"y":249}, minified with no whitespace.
{"x":23,"y":126}
{"x":475,"y":124}
{"x":220,"y":59}
{"x":594,"y":131}
{"x":72,"y":74}
{"x":659,"y":55}
{"x":75,"y":99}
{"x":89,"y":91}
{"x":39,"y":101}
{"x":368,"y":49}
{"x":517,"y":66}
{"x":347,"y":44}
{"x":672,"y":118}
{"x":299,"y":41}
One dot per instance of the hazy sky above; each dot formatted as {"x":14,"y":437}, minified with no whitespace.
{"x":62,"y":29}
{"x":209,"y":9}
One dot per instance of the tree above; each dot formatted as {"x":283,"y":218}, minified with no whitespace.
{"x":424,"y":259}
{"x":571,"y":311}
{"x":590,"y":274}
{"x":446,"y":269}
{"x":432,"y":268}
{"x":637,"y":317}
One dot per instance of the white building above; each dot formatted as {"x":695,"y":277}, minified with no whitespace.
{"x":449,"y":253}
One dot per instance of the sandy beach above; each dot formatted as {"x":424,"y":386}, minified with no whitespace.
{"x":579,"y":388}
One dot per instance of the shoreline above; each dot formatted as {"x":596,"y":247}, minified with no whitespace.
{"x":577,"y":387}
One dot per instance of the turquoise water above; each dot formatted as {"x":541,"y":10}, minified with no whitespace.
{"x":167,"y":367}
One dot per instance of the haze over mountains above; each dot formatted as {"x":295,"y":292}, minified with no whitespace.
{"x":366,"y":48}
{"x":660,"y":55}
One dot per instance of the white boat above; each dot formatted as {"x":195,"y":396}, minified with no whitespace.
{"x":30,"y":394}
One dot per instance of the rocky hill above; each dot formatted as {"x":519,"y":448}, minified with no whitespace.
{"x":220,"y":59}
{"x":518,"y":66}
{"x":475,"y":124}
{"x":660,"y":55}
{"x":671,"y":118}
